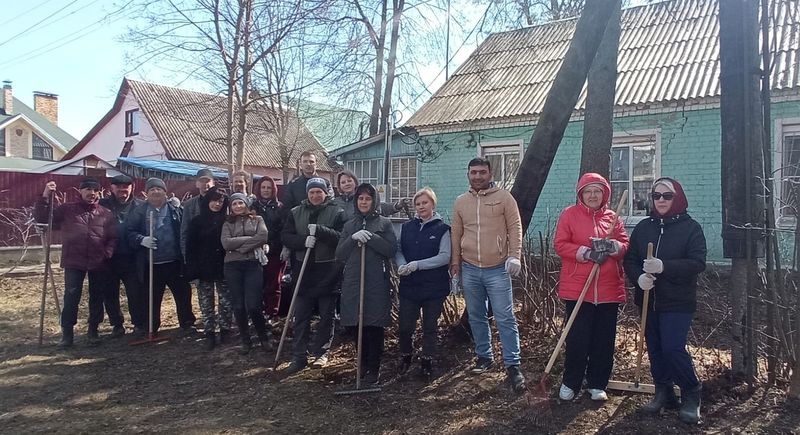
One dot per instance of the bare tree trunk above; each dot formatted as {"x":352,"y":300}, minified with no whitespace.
{"x":559,"y":106}
{"x":379,"y":43}
{"x":397,"y":15}
{"x":244,"y":103}
{"x":598,"y":123}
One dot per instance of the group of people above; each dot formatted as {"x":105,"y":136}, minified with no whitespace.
{"x":235,"y":247}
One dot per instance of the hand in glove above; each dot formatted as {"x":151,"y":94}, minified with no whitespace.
{"x":310,"y":241}
{"x":412,"y":266}
{"x":513,"y":266}
{"x":597,"y":256}
{"x":285,"y":254}
{"x":653,"y":265}
{"x":606,"y":245}
{"x":174,"y":201}
{"x":646,"y":281}
{"x":312,"y":229}
{"x":403,"y":270}
{"x":361,"y":236}
{"x":149,"y":242}
{"x":455,"y":285}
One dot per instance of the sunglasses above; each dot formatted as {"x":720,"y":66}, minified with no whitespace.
{"x":666,"y":195}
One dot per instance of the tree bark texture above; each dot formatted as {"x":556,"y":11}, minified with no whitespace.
{"x":559,"y":106}
{"x":391,"y":66}
{"x":598,"y":121}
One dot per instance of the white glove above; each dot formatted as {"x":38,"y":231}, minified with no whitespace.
{"x":312,"y":228}
{"x":412,"y":266}
{"x":285,"y":254}
{"x":149,"y":242}
{"x":513,"y":266}
{"x":361,"y":236}
{"x":403,"y":270}
{"x":310,"y":241}
{"x":653,"y":265}
{"x":455,"y":285}
{"x":174,"y":201}
{"x":646,"y":281}
{"x":261,"y":254}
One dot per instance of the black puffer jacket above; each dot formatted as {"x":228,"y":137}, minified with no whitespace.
{"x":681,"y":245}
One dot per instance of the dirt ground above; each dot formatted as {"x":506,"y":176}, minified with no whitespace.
{"x":176,"y":386}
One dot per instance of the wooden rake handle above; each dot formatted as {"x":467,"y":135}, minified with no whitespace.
{"x":592,"y":274}
{"x":642,"y":326}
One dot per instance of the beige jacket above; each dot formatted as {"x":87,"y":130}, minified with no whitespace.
{"x":486,"y":228}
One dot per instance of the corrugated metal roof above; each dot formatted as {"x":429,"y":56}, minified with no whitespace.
{"x":191,"y":126}
{"x":668,"y":51}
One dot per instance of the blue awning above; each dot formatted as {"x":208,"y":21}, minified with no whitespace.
{"x":178,"y":167}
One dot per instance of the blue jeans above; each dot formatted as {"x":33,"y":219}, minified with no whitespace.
{"x":670,"y":362}
{"x":491,"y":284}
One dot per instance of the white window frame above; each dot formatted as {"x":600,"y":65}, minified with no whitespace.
{"x":781,"y":127}
{"x":43,"y":144}
{"x":396,"y":178}
{"x":502,"y":147}
{"x":378,"y":179}
{"x":629,"y":139}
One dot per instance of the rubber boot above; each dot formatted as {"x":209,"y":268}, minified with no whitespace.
{"x":690,"y":406}
{"x":426,"y":368}
{"x":405,"y":364}
{"x":664,"y":398}
{"x":210,"y":340}
{"x":67,"y":337}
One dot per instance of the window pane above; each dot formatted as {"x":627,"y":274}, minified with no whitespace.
{"x":640,"y":198}
{"x":620,"y":163}
{"x":643,"y":163}
{"x":617,"y":188}
{"x":497,"y":166}
{"x":512,"y":166}
{"x":790,"y":174}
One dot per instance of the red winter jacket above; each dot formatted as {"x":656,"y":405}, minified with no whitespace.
{"x":576,"y":226}
{"x":88,"y":233}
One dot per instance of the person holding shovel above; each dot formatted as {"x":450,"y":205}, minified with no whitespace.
{"x":375,"y":233}
{"x":671,"y":276}
{"x":585,"y":240}
{"x":244,"y":236}
{"x":314,"y":226}
{"x":89,"y":236}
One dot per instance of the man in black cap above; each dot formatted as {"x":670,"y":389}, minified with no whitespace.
{"x":191,"y":207}
{"x":167,"y":258}
{"x":88,"y":238}
{"x":123,"y":265}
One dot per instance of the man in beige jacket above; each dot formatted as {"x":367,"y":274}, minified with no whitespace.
{"x":486,"y":247}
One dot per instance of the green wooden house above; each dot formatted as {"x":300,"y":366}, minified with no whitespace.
{"x":666,"y":122}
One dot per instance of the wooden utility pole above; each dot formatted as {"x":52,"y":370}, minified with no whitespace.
{"x":742,"y":171}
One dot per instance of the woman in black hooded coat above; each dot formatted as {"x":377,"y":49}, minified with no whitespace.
{"x":375,"y":232}
{"x":679,"y":255}
{"x":204,"y":262}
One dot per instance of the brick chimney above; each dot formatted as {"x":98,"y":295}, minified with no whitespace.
{"x":46,"y":105}
{"x":8,"y":97}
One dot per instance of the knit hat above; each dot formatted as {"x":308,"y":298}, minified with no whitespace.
{"x":155,"y":182}
{"x":89,"y":183}
{"x":316,"y":182}
{"x":238,"y":196}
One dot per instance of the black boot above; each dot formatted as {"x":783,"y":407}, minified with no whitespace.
{"x":373,"y":375}
{"x":67,"y":338}
{"x":664,"y":398}
{"x":224,"y":335}
{"x":515,"y":378}
{"x":210,"y":340}
{"x":93,"y":336}
{"x":244,"y":334}
{"x":405,"y":364}
{"x":266,"y":340}
{"x":426,"y":368}
{"x":690,"y":405}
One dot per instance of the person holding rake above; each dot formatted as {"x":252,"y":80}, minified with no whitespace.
{"x":679,"y":256}
{"x":589,"y":234}
{"x":375,"y":233}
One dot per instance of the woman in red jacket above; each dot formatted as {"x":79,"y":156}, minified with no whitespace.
{"x":585,"y":237}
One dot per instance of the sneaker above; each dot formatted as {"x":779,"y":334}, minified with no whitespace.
{"x":515,"y":378}
{"x":118,"y":331}
{"x":294,"y":367}
{"x":598,"y":394}
{"x":566,"y":393}
{"x":482,"y":365}
{"x":320,"y":362}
